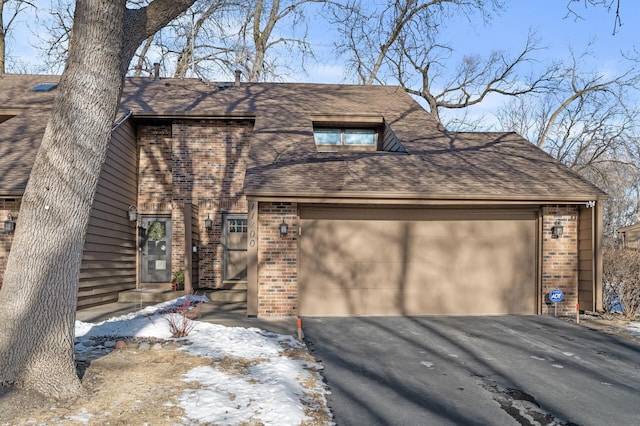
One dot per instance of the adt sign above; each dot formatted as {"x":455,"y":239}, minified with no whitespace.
{"x":556,"y":295}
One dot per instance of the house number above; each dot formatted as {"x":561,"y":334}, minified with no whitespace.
{"x":252,"y":227}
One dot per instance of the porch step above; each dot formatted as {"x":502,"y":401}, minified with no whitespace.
{"x":148,"y":295}
{"x":228,"y":296}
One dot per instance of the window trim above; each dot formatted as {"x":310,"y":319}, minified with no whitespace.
{"x":343,"y":145}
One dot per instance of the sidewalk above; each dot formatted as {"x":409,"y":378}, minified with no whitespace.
{"x":223,"y":313}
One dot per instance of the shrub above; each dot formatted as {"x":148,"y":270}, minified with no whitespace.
{"x":180,"y":318}
{"x":621,"y":278}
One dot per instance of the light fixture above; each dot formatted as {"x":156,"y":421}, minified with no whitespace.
{"x":9,"y":225}
{"x":557,"y":229}
{"x":208,"y":223}
{"x":133,"y":213}
{"x":283,"y":228}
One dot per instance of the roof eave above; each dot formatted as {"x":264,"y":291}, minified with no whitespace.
{"x":419,"y":198}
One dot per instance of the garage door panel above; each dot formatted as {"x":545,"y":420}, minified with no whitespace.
{"x":380,"y":267}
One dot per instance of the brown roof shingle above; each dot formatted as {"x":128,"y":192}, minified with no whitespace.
{"x":283,"y":160}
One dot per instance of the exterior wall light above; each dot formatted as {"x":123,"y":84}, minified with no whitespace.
{"x":556,"y":230}
{"x":208,"y":223}
{"x":133,"y":214}
{"x":9,"y":225}
{"x":284,"y":228}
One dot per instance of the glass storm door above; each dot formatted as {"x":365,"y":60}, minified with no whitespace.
{"x":235,"y":248}
{"x":155,"y":249}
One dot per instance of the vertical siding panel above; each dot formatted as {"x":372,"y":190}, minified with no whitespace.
{"x":586,"y":267}
{"x":109,"y":258}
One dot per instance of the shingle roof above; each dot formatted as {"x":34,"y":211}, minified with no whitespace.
{"x":283,"y":160}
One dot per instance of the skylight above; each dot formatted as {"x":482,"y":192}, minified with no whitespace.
{"x":44,"y":87}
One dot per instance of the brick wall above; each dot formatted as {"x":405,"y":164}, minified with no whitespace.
{"x":560,"y":259}
{"x":155,"y":179}
{"x":8,"y":206}
{"x":202,"y":162}
{"x":277,"y":260}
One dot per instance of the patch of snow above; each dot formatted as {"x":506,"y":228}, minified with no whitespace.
{"x":270,"y":388}
{"x":634,"y":328}
{"x":427,"y":364}
{"x":83,"y":417}
{"x":556,"y":366}
{"x":537,"y":358}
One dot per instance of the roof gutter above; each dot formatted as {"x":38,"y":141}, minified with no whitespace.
{"x":202,"y":115}
{"x":11,"y":193}
{"x":121,"y":120}
{"x":403,"y":198}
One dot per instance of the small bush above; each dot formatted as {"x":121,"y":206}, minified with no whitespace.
{"x":621,"y":281}
{"x":180,"y":318}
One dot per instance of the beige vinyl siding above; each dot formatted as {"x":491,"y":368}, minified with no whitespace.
{"x":390,"y":141}
{"x":585,"y":254}
{"x":109,"y":257}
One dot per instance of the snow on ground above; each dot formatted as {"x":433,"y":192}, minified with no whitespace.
{"x":271,"y":389}
{"x":634,"y":328}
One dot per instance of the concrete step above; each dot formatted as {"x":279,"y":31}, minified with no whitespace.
{"x":156,"y":286}
{"x":148,"y":295}
{"x":233,"y":285}
{"x":229,"y":296}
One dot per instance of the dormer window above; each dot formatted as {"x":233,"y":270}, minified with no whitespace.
{"x":345,"y":137}
{"x":353,"y":132}
{"x":44,"y":87}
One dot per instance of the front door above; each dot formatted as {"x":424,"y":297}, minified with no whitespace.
{"x":155,"y":249}
{"x":235,"y":248}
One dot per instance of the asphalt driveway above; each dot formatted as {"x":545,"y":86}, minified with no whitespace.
{"x":503,"y":370}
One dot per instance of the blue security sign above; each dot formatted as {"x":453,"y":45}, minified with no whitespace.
{"x":556,"y":295}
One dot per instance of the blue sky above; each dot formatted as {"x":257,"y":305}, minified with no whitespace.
{"x":507,"y":32}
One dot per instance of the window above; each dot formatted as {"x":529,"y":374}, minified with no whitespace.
{"x":44,"y":87}
{"x":345,"y":138}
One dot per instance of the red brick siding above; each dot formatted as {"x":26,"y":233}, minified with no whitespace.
{"x":560,"y":259}
{"x":277,"y":260}
{"x":10,"y":206}
{"x":202,"y":162}
{"x":155,"y":180}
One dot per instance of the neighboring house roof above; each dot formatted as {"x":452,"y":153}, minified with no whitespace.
{"x":283,"y":159}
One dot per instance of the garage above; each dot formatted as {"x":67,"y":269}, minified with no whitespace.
{"x":416,"y":261}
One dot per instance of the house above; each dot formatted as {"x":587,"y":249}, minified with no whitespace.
{"x":319,"y":200}
{"x":629,"y":236}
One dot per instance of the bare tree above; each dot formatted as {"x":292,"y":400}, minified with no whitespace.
{"x":212,"y":38}
{"x":253,"y":36}
{"x":9,"y":11}
{"x":54,"y":35}
{"x":589,"y":122}
{"x":39,"y":293}
{"x":400,"y":42}
{"x":609,"y":5}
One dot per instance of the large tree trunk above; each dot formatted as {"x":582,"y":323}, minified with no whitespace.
{"x":39,"y":294}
